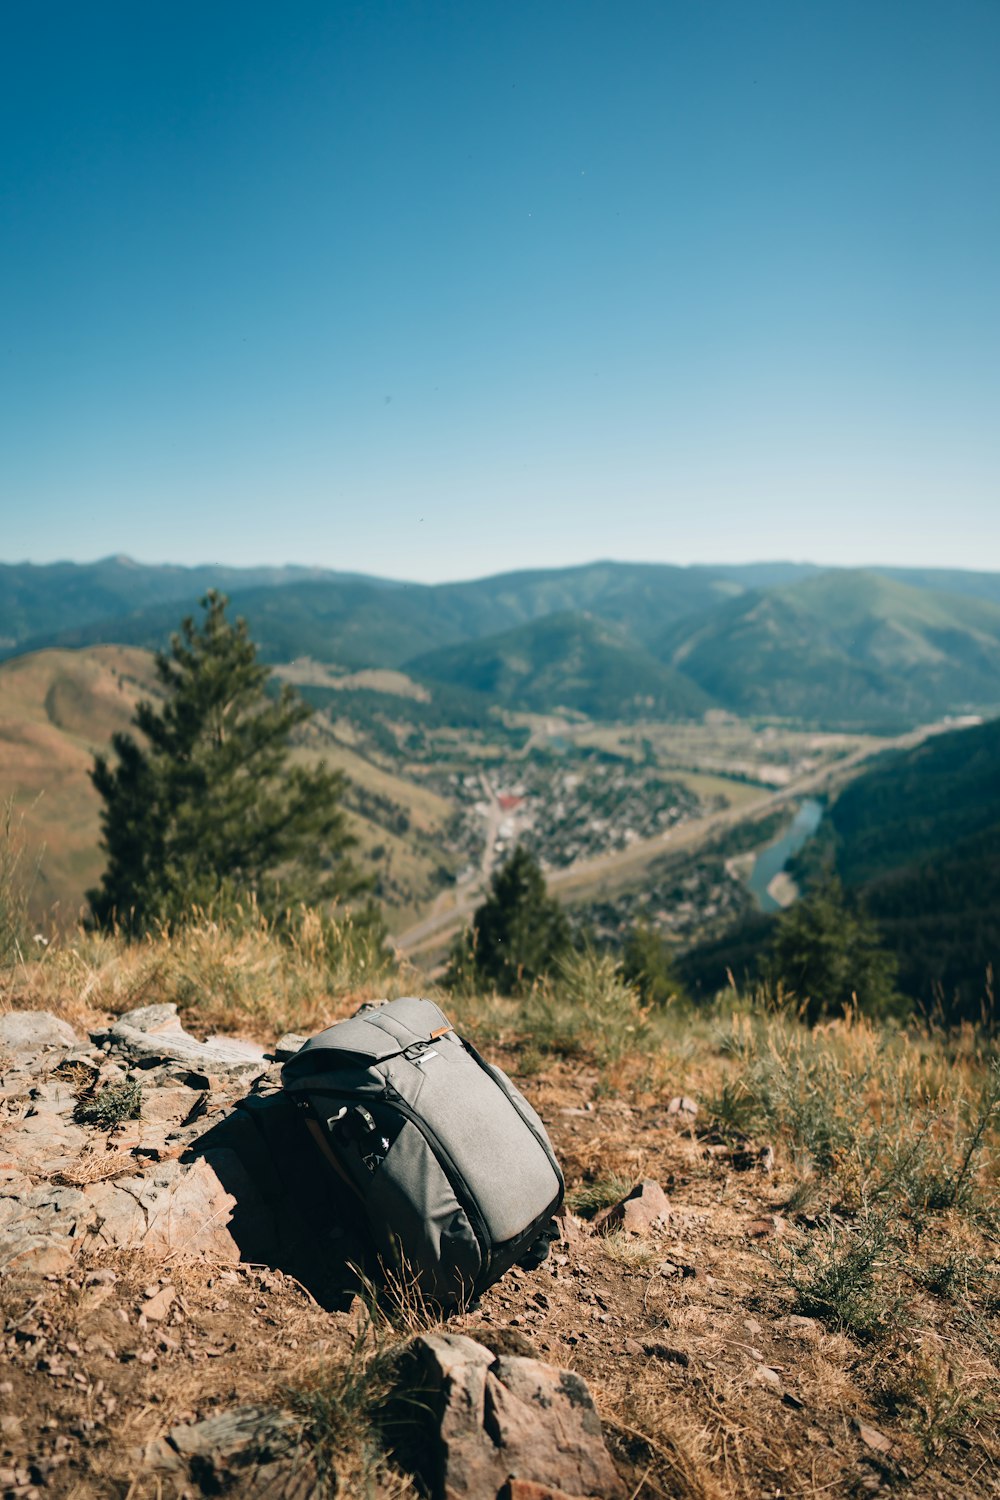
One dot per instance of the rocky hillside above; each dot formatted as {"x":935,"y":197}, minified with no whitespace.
{"x":759,"y":1287}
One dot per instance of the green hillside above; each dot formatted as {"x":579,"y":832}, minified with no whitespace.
{"x":39,"y":602}
{"x":948,"y":581}
{"x":845,"y":648}
{"x":917,"y":836}
{"x":570,"y":661}
{"x":920,"y":834}
{"x":362,"y":622}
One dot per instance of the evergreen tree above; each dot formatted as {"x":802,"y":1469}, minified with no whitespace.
{"x":518,"y":934}
{"x":826,"y":954}
{"x":648,"y":965}
{"x":207,"y":807}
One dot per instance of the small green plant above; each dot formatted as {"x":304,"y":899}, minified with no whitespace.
{"x":951,"y":1184}
{"x":111,"y":1106}
{"x":589,"y":1010}
{"x":848,"y":1277}
{"x":588,"y":1198}
{"x":937,"y":1402}
{"x":337,"y":1404}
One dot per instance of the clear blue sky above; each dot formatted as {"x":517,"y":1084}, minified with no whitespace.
{"x":432,"y":290}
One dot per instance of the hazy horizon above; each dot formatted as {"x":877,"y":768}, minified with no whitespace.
{"x":532,"y":567}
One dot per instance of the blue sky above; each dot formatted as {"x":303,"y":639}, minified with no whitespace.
{"x":435,"y":290}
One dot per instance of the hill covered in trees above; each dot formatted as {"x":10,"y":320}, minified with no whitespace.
{"x":920,"y":836}
{"x":916,"y":840}
{"x":569,"y":661}
{"x":878,"y":649}
{"x":844,"y":648}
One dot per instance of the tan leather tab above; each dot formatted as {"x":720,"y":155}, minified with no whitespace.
{"x":441,"y":1031}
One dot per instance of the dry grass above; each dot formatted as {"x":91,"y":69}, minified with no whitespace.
{"x":243,"y":975}
{"x":879,"y":1302}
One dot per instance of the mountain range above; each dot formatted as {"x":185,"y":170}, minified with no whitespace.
{"x":843,"y":648}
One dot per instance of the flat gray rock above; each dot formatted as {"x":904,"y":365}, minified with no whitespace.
{"x":153,"y":1034}
{"x":24,"y":1033}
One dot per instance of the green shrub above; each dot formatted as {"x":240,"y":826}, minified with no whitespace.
{"x":112,"y":1106}
{"x":848,"y":1277}
{"x":589,"y":1009}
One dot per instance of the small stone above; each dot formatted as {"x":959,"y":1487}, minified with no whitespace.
{"x":871,"y":1437}
{"x":766,"y":1376}
{"x":157,"y":1306}
{"x":646,"y":1208}
{"x":683,"y":1107}
{"x":767,"y":1227}
{"x":667,"y":1353}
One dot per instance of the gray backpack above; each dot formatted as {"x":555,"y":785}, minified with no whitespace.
{"x":450,"y":1165}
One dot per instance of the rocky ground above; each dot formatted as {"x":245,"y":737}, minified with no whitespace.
{"x":168,"y":1326}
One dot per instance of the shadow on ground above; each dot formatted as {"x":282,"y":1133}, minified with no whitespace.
{"x":290,"y":1214}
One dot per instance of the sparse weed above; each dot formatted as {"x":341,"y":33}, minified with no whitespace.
{"x":599,"y":1192}
{"x":339,"y":1404}
{"x":626,"y":1250}
{"x":849,"y":1277}
{"x":112,"y":1106}
{"x":937,"y":1402}
{"x":244,"y":973}
{"x":875,"y":1115}
{"x":589,"y":1010}
{"x":17,"y":878}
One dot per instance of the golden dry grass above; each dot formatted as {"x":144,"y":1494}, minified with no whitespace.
{"x":878,"y":1302}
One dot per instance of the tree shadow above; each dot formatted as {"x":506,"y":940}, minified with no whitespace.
{"x":291,"y":1213}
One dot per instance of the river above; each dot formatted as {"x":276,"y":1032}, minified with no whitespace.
{"x":772,"y":860}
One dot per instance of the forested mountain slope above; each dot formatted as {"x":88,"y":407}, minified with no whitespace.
{"x":566,"y":661}
{"x":920,"y":835}
{"x":844,"y":648}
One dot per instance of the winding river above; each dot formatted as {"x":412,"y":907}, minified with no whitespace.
{"x":772,"y":860}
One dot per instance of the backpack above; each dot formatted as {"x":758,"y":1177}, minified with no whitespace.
{"x":451,"y":1167}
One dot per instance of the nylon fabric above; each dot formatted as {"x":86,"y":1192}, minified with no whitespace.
{"x":511,"y":1178}
{"x":414,"y":1204}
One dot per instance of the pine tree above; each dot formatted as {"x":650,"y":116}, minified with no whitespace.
{"x":647,"y":963}
{"x":518,"y":934}
{"x":207,"y":808}
{"x":827,"y":956}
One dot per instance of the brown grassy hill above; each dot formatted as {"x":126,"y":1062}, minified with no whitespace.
{"x":56,"y":709}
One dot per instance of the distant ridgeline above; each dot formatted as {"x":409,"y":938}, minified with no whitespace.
{"x":918,"y":838}
{"x":878,"y":650}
